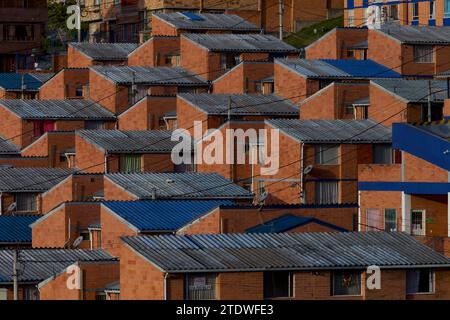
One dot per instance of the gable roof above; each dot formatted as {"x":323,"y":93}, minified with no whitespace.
{"x":150,"y":75}
{"x":161,"y":215}
{"x":414,"y":90}
{"x":31,"y":179}
{"x":241,"y":104}
{"x":117,"y":141}
{"x":417,"y":34}
{"x":333,"y":131}
{"x":337,"y":69}
{"x":183,"y":185}
{"x":241,"y":43}
{"x":73,"y":109}
{"x":105,"y":51}
{"x":41,"y":264}
{"x":284,"y":251}
{"x":32,"y":81}
{"x":206,"y":21}
{"x":16,"y":229}
{"x":288,"y":222}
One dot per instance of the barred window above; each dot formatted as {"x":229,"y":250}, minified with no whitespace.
{"x":327,"y":192}
{"x":201,"y":286}
{"x":423,"y":54}
{"x":26,"y":202}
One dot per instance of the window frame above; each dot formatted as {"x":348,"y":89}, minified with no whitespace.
{"x":395,"y":219}
{"x":319,"y":198}
{"x":421,"y":57}
{"x":424,"y":222}
{"x":415,"y":11}
{"x":290,"y":285}
{"x":34,"y":206}
{"x":333,"y":288}
{"x":206,"y":275}
{"x":319,"y":150}
{"x":431,"y":282}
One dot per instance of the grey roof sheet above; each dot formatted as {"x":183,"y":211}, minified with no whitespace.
{"x":362,"y":102}
{"x":333,"y":131}
{"x":40,"y":264}
{"x":31,"y":179}
{"x":444,"y":74}
{"x":7,"y":147}
{"x":186,"y":185}
{"x":242,"y":104}
{"x":116,"y":141}
{"x":291,"y":251}
{"x":58,"y":109}
{"x":417,"y":34}
{"x":150,"y":75}
{"x":105,"y":51}
{"x":42,"y":76}
{"x":208,"y":21}
{"x":415,"y":90}
{"x":241,"y":43}
{"x":360,"y":45}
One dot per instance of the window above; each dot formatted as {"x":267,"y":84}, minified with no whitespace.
{"x":327,"y":154}
{"x":419,"y":281}
{"x":362,"y":112}
{"x":85,"y":235}
{"x":373,"y":218}
{"x":346,"y":283}
{"x":446,"y":8}
{"x":258,"y":87}
{"x":79,"y":91}
{"x":136,"y":93}
{"x":351,"y":18}
{"x":390,"y":220}
{"x":418,"y":222}
{"x":432,"y":9}
{"x":268,"y":88}
{"x":42,"y":126}
{"x":130,"y":163}
{"x":278,"y":284}
{"x":327,"y":192}
{"x":201,"y":286}
{"x":30,"y":293}
{"x":415,"y":11}
{"x":260,"y":187}
{"x":94,"y":125}
{"x":96,"y":2}
{"x":100,"y":296}
{"x":3,"y":294}
{"x":382,"y":154}
{"x":349,"y":109}
{"x":23,"y":32}
{"x":228,"y":61}
{"x":116,"y":2}
{"x":26,"y":202}
{"x":423,"y":54}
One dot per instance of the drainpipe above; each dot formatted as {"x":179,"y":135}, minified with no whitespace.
{"x":302,"y":192}
{"x":106,"y":163}
{"x":166,"y":275}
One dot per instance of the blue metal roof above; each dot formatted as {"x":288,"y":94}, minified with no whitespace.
{"x":432,"y":188}
{"x":162,"y":215}
{"x":363,"y":68}
{"x":13,"y":81}
{"x":16,"y":229}
{"x":288,"y":222}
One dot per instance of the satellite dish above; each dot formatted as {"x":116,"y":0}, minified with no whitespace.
{"x":263,"y":196}
{"x":12,"y":207}
{"x":77,"y":242}
{"x":307,"y":170}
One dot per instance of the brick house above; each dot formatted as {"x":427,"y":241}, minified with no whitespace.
{"x":239,"y":218}
{"x":321,"y":166}
{"x":136,"y":218}
{"x":118,"y":88}
{"x":21,"y":188}
{"x":27,"y":120}
{"x":413,"y":50}
{"x":213,"y":110}
{"x":123,"y":151}
{"x":86,"y":54}
{"x":66,"y":84}
{"x":235,"y":266}
{"x":210,"y":56}
{"x":158,"y":51}
{"x":15,"y":231}
{"x":297,"y":79}
{"x":172,"y":186}
{"x":340,"y":43}
{"x":415,"y":191}
{"x":22,"y":85}
{"x":54,"y":263}
{"x":406,"y":100}
{"x":175,"y":24}
{"x":246,"y":77}
{"x":338,"y":100}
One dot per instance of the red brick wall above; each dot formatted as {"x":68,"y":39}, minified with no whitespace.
{"x":385,"y":51}
{"x":416,"y":169}
{"x":162,"y":28}
{"x":88,"y":157}
{"x":113,"y":192}
{"x":187,"y":114}
{"x":76,"y":59}
{"x":435,"y":207}
{"x":371,"y":200}
{"x":14,"y":129}
{"x":157,"y":162}
{"x":200,"y":61}
{"x":64,"y":84}
{"x":107,"y":94}
{"x":152,"y":53}
{"x":384,"y":105}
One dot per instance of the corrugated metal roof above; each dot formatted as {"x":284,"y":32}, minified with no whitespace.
{"x":281,"y":251}
{"x":417,"y":34}
{"x":7,"y":147}
{"x":13,"y":81}
{"x":208,"y":21}
{"x":16,"y":229}
{"x":333,"y":131}
{"x":58,"y":109}
{"x":241,"y":43}
{"x":415,"y":90}
{"x":362,"y":102}
{"x":242,"y":104}
{"x":40,"y":264}
{"x":105,"y":51}
{"x":440,"y":130}
{"x":117,"y":141}
{"x":31,"y":179}
{"x":150,"y":75}
{"x":288,"y":222}
{"x":337,"y":69}
{"x":185,"y":185}
{"x":162,"y":215}
{"x":360,"y":45}
{"x":444,"y":74}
